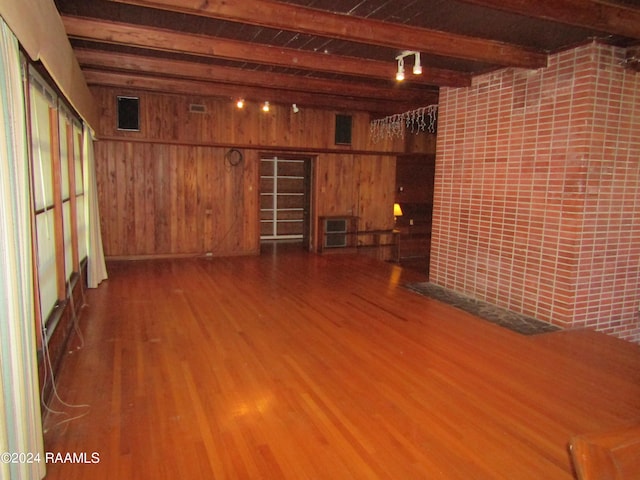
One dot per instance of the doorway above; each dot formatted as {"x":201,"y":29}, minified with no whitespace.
{"x":414,"y":192}
{"x":285,"y":199}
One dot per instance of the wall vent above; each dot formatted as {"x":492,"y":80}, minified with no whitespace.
{"x":197,"y":108}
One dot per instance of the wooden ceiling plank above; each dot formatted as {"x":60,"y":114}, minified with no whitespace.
{"x":598,"y":15}
{"x":235,"y":76}
{"x":271,"y":14}
{"x":257,"y":94}
{"x":215,"y":47}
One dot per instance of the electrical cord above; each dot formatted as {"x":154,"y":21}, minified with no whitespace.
{"x":48,"y":366}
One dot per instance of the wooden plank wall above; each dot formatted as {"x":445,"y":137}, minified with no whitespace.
{"x":376,"y":192}
{"x":159,"y":199}
{"x":360,"y":185}
{"x":167,"y":190}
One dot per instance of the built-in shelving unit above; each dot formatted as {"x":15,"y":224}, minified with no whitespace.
{"x":282,"y":198}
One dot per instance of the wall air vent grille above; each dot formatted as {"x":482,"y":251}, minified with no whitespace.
{"x":197,"y":108}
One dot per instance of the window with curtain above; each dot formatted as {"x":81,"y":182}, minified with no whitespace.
{"x":58,"y":192}
{"x":42,"y":99}
{"x":79,"y":190}
{"x":20,"y":418}
{"x":66,"y":149}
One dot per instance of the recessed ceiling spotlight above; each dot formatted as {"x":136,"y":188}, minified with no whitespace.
{"x":240,"y":103}
{"x":295,"y":108}
{"x":265,"y":107}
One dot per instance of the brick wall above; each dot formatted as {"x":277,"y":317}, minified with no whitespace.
{"x":537,"y":191}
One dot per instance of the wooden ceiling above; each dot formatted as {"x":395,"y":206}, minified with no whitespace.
{"x":328,"y":53}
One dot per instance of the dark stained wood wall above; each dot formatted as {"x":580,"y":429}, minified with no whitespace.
{"x":159,"y":199}
{"x":375,"y":192}
{"x":359,"y":185}
{"x":168,"y":190}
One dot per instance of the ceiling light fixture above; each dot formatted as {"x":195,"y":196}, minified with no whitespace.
{"x":240,"y":103}
{"x":417,"y":67}
{"x":265,"y":107}
{"x":400,"y":73}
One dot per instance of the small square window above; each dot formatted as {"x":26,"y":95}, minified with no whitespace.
{"x":129,"y":113}
{"x":343,"y":129}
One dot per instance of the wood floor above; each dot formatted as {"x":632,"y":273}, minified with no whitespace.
{"x":297,"y":366}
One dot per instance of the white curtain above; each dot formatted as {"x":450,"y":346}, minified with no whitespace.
{"x":20,"y":420}
{"x":96,"y":268}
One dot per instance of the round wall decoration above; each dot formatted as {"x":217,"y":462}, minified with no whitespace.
{"x":233,"y":157}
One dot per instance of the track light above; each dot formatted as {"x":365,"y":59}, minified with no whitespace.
{"x":400,"y":73}
{"x":265,"y":107}
{"x":417,"y":67}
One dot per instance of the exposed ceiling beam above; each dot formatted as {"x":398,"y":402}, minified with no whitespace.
{"x":195,"y":87}
{"x":598,"y":15}
{"x":239,"y":78}
{"x":216,"y":47}
{"x":271,"y":14}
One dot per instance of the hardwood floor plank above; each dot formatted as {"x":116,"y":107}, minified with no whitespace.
{"x":292,"y":365}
